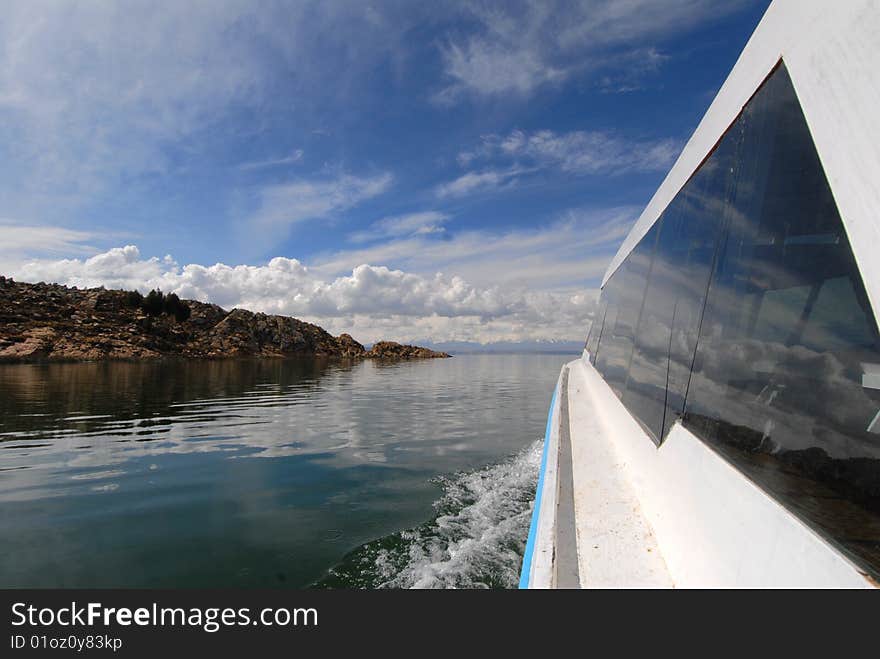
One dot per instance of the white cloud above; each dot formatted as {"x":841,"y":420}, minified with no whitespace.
{"x":570,"y":253}
{"x":90,"y":94}
{"x":116,"y":268}
{"x":293,"y":158}
{"x":487,"y":180}
{"x":31,"y":239}
{"x":633,"y":69}
{"x":492,"y":69}
{"x":580,"y":152}
{"x":598,"y":22}
{"x":374,"y":302}
{"x":519,"y":285}
{"x":520,"y":47}
{"x":94,"y":96}
{"x":412,"y":224}
{"x":307,"y":199}
{"x":576,"y":152}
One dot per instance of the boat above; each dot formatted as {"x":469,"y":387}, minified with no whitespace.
{"x":722,"y":427}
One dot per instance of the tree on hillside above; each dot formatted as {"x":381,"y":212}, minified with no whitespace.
{"x":175,"y":307}
{"x":153,"y":304}
{"x":134,"y":299}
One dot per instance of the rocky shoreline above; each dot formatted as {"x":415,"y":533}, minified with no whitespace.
{"x":50,"y":322}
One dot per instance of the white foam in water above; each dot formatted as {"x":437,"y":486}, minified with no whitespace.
{"x":478,"y":537}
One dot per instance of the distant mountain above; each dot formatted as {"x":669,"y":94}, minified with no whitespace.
{"x":56,"y":323}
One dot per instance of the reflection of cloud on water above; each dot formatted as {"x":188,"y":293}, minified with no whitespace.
{"x":399,"y":416}
{"x":96,"y":475}
{"x":109,"y":487}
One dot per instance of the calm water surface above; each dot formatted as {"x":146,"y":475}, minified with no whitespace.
{"x":281,"y":473}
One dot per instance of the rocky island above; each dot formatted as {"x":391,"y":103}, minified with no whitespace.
{"x":51,"y":322}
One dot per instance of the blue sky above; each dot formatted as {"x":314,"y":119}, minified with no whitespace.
{"x":414,"y":171}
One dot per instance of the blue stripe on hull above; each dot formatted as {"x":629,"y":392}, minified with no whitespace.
{"x":533,"y":527}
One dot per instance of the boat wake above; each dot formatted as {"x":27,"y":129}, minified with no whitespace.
{"x":475,"y":540}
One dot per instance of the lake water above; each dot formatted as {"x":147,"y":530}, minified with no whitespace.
{"x":270,"y":473}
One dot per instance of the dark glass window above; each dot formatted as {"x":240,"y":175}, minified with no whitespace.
{"x":596,"y":329}
{"x":788,"y":334}
{"x":743,"y":313}
{"x":646,"y":378}
{"x":599,"y":359}
{"x":627,"y":293}
{"x":609,"y":359}
{"x":677,"y":278}
{"x":690,"y":250}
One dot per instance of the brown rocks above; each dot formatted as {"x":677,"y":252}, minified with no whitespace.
{"x":35,"y":343}
{"x":243,"y":332}
{"x":392,"y":350}
{"x":348,"y":347}
{"x":57,"y":323}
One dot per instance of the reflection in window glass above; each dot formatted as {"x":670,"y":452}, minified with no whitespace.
{"x":645,"y":394}
{"x":596,"y":329}
{"x":692,"y":257}
{"x":628,"y":292}
{"x":837,"y":319}
{"x":670,"y":319}
{"x":612,"y":353}
{"x":743,"y":313}
{"x":777,"y":383}
{"x":779,"y":311}
{"x":599,"y":358}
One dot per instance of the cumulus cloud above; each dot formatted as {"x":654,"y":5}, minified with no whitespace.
{"x":515,"y":285}
{"x":119,"y":267}
{"x":373,"y":302}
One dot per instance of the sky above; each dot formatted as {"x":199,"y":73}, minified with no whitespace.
{"x":415,"y":171}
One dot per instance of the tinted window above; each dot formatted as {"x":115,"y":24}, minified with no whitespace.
{"x":645,"y":393}
{"x":596,"y":329}
{"x":610,"y":361}
{"x":627,"y":291}
{"x":755,"y":327}
{"x":690,"y":250}
{"x":788,"y":335}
